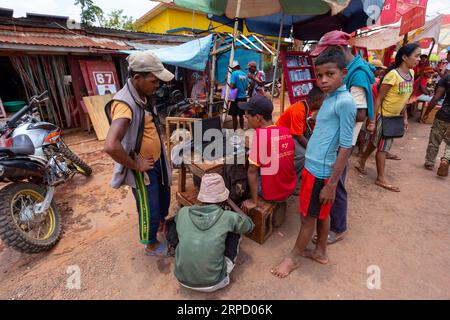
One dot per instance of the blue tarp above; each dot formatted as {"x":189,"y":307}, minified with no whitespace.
{"x":242,"y":56}
{"x":190,"y":55}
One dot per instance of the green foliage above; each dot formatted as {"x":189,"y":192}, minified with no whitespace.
{"x":117,"y":20}
{"x":90,"y":13}
{"x":93,"y":15}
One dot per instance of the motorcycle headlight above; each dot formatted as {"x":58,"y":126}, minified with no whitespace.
{"x":2,"y":170}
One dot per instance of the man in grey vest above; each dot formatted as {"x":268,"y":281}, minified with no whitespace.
{"x":135,"y":143}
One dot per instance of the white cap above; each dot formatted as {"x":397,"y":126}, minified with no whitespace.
{"x":213,"y":189}
{"x":234,"y":64}
{"x":148,"y":61}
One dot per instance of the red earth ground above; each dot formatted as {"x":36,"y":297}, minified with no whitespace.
{"x":405,"y":234}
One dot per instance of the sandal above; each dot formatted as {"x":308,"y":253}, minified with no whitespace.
{"x":386,"y":186}
{"x":391,"y":156}
{"x":332,"y":238}
{"x":428,"y":166}
{"x":160,"y":251}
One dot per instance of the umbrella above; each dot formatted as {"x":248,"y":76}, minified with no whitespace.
{"x":311,"y":27}
{"x":256,"y":8}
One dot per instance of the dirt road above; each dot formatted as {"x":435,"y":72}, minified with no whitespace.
{"x":406,"y":235}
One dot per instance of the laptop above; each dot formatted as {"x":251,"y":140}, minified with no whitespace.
{"x":200,"y":146}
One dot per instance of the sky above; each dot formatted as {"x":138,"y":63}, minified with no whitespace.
{"x":134,"y":8}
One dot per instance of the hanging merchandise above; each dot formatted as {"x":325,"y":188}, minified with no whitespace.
{"x":299,"y":74}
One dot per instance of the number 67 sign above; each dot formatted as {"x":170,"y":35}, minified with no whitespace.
{"x":105,"y":82}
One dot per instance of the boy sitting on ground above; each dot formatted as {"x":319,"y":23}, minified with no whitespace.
{"x":208,"y":238}
{"x":326,"y":156}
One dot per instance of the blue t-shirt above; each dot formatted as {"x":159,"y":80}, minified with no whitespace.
{"x":334,"y":128}
{"x":239,"y":80}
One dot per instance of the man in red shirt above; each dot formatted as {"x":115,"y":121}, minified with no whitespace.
{"x":271,"y":155}
{"x":295,"y":119}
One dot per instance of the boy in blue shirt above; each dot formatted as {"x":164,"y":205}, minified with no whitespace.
{"x":327,"y":153}
{"x":238,"y":80}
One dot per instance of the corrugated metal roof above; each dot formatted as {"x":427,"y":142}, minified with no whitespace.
{"x":61,"y":40}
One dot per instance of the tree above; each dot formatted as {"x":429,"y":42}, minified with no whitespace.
{"x":117,"y":20}
{"x":90,"y":13}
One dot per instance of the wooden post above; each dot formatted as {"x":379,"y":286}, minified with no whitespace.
{"x":212,"y":78}
{"x":405,"y":39}
{"x":282,"y":94}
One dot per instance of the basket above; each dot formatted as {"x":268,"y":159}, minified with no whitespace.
{"x":14,"y":106}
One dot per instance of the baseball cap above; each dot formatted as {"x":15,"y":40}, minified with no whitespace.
{"x":234,"y":64}
{"x":252,"y":64}
{"x":377,"y":64}
{"x":332,"y":38}
{"x":257,"y":104}
{"x":148,"y":61}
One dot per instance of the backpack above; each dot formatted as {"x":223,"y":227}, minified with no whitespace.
{"x":235,"y":177}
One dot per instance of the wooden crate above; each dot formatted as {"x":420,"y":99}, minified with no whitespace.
{"x":262,"y":218}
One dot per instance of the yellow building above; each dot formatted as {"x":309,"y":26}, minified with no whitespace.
{"x":168,"y":18}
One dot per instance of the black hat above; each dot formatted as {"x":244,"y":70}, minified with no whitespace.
{"x":258,"y":104}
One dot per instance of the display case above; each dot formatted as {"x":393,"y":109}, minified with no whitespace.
{"x":299,"y":74}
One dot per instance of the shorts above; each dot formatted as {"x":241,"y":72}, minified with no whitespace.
{"x":234,"y":107}
{"x":310,"y":205}
{"x":381,"y":143}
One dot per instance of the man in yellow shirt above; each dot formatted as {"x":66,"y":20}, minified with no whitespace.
{"x":134,"y":142}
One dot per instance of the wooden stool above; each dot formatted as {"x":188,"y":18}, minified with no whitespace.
{"x":262,"y":218}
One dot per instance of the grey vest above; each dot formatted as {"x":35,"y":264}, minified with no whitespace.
{"x":123,"y":175}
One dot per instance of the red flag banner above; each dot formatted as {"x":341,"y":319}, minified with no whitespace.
{"x":412,"y":20}
{"x":389,"y":12}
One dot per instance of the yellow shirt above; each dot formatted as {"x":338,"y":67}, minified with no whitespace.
{"x":151,"y":145}
{"x":399,"y":93}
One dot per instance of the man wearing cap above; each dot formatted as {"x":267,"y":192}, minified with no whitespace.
{"x":134,"y":142}
{"x":359,"y":82}
{"x":271,"y":171}
{"x":209,"y":237}
{"x":239,"y":81}
{"x":257,"y":79}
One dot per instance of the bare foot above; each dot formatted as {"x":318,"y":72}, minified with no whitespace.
{"x":387,"y":186}
{"x":319,"y":257}
{"x":361,"y":167}
{"x":284,"y":268}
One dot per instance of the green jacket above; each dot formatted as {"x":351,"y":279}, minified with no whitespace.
{"x":202,"y":230}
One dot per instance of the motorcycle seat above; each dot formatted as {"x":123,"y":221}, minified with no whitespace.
{"x":20,"y":151}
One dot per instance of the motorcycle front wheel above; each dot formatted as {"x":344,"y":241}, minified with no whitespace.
{"x":20,"y":227}
{"x":81,"y":166}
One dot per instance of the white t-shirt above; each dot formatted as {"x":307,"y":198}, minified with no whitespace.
{"x":359,"y":95}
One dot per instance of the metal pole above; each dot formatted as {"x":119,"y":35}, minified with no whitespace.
{"x":277,"y":56}
{"x":212,"y":78}
{"x":227,"y":91}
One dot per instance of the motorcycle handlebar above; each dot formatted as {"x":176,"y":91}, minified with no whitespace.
{"x":11,"y":122}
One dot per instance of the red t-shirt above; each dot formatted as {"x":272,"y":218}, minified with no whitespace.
{"x":273,"y":151}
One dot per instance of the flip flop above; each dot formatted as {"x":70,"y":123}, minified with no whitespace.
{"x":393,"y":157}
{"x":389,"y":187}
{"x":160,"y":251}
{"x":332,"y":238}
{"x":428,"y":167}
{"x":360,"y":170}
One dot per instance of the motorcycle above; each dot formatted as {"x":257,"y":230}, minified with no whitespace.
{"x":34,"y":162}
{"x":171,"y":103}
{"x":268,"y":88}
